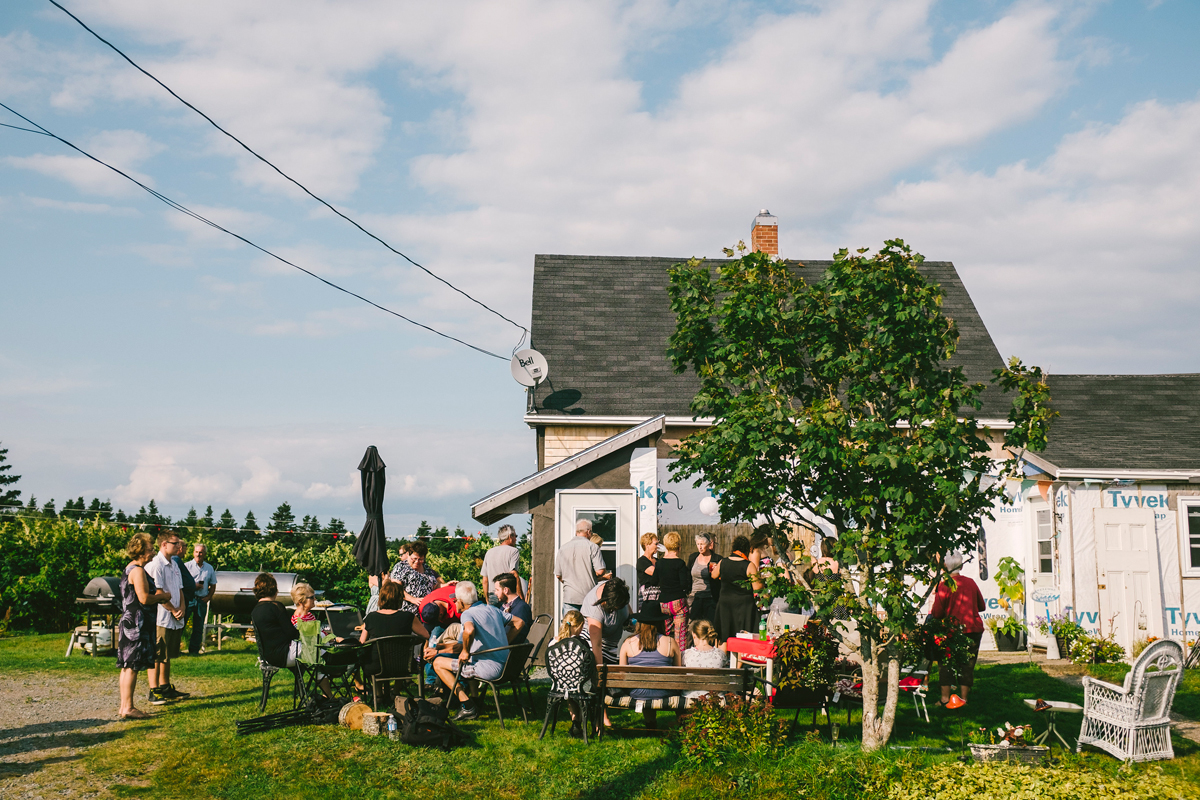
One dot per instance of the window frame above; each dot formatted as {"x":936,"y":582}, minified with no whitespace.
{"x":1182,"y":505}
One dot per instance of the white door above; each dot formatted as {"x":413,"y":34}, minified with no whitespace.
{"x":1128,"y":576}
{"x":613,"y":514}
{"x":1042,"y":573}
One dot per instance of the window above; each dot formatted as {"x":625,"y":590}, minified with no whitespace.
{"x":1045,"y":542}
{"x":1191,"y":533}
{"x":604,"y":525}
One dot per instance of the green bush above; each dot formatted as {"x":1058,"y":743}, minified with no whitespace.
{"x":725,"y":726}
{"x":996,"y":781}
{"x":44,"y":565}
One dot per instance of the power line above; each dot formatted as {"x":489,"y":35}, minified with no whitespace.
{"x":287,"y":177}
{"x":185,"y":210}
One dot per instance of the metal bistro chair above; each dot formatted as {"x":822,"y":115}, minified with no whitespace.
{"x":268,"y":674}
{"x":512,"y":676}
{"x":572,"y":668}
{"x":396,"y":663}
{"x":1133,"y":722}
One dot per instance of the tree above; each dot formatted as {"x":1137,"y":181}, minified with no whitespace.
{"x":8,"y":497}
{"x":72,"y":509}
{"x":207,"y":520}
{"x":335,"y":526}
{"x":424,"y":531}
{"x":833,"y":402}
{"x":48,"y":509}
{"x":250,"y":525}
{"x":192,"y":519}
{"x":227,"y":523}
{"x":101,"y":510}
{"x":122,"y":518}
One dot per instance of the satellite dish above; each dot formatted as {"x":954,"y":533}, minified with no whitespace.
{"x":529,"y":367}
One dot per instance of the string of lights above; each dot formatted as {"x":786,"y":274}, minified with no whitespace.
{"x":283,"y":174}
{"x":200,"y":218}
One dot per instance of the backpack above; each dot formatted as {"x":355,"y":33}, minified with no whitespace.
{"x":425,"y":725}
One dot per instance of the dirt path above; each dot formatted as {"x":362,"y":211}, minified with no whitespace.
{"x":1072,"y":674}
{"x":46,"y":727}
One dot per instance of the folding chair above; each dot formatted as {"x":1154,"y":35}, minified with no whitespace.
{"x":396,"y":663}
{"x":268,"y":674}
{"x":512,"y":676}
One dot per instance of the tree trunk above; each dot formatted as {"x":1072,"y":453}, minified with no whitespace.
{"x":877,"y":729}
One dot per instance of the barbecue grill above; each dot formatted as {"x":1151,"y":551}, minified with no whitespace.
{"x":101,"y":597}
{"x":235,"y":591}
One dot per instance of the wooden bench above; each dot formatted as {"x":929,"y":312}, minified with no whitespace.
{"x":674,"y":679}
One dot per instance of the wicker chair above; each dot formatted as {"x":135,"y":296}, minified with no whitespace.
{"x":1133,"y":722}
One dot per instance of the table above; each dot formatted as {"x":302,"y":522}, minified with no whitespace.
{"x":759,"y":651}
{"x":1056,"y":707}
{"x":340,"y":620}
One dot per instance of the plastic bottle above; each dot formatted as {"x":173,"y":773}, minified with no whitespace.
{"x":392,"y":732}
{"x":774,"y":621}
{"x":762,"y":628}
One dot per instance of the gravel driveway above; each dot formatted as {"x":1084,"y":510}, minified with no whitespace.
{"x":46,"y":726}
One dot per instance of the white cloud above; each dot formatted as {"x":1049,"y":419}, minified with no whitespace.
{"x":122,"y":149}
{"x":83,"y":208}
{"x":1070,"y":252}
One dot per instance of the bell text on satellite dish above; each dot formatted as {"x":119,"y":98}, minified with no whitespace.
{"x":529,"y":367}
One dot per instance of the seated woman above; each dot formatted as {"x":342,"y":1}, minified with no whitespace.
{"x":650,"y":647}
{"x":388,"y":620}
{"x":707,"y":650}
{"x":278,"y":638}
{"x":311,"y":637}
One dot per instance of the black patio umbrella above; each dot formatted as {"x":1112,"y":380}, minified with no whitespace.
{"x":370,"y":549}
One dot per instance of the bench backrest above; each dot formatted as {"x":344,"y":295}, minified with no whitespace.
{"x":678,"y":679}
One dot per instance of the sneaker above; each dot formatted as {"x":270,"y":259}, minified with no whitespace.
{"x":171,"y":693}
{"x":468,"y":711}
{"x":157,"y":698}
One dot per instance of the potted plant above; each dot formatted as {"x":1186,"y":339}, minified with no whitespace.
{"x":804,"y":666}
{"x":1062,"y":628}
{"x":1010,"y":578}
{"x":1007,"y":632}
{"x":1008,"y":743}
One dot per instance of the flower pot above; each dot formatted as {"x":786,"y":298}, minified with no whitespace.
{"x":1036,"y":754}
{"x":1006,"y":643}
{"x":1064,"y":646}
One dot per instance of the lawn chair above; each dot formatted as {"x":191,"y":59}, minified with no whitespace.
{"x":396,"y":663}
{"x":572,"y":668}
{"x":1133,"y":722}
{"x":268,"y":674}
{"x":512,"y":676}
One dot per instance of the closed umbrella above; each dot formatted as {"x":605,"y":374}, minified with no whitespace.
{"x":370,"y":550}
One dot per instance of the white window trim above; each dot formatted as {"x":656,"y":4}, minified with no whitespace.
{"x":1185,"y":546}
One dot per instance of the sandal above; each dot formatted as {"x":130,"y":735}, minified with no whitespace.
{"x":135,"y":714}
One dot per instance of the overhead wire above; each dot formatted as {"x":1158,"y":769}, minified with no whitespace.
{"x":283,"y":174}
{"x":200,"y":218}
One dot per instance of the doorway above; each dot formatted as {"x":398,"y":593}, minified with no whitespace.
{"x":1129,"y":582}
{"x":613,"y":514}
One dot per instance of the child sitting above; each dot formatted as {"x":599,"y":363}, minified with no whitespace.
{"x":707,"y":650}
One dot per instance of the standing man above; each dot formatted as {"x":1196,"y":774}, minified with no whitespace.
{"x":206,"y":583}
{"x":501,"y":560}
{"x":189,"y":583}
{"x":578,"y":565}
{"x":166,"y":575}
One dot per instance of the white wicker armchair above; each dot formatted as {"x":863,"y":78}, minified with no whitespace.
{"x":1133,"y":722}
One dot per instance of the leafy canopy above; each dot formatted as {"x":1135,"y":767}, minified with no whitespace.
{"x":833,"y":400}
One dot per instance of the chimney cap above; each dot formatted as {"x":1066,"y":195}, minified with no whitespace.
{"x":765,"y":218}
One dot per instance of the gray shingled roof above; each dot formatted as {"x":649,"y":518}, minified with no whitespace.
{"x":1130,"y":422}
{"x":602,"y":322}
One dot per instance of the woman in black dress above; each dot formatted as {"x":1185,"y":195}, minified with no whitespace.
{"x":706,"y":589}
{"x":736,"y":610}
{"x":136,"y":632}
{"x":389,"y":620}
{"x":647,"y":585}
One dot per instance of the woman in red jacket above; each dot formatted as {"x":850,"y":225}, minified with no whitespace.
{"x":963,"y":604}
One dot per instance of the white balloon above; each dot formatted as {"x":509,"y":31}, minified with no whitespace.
{"x":709,"y":506}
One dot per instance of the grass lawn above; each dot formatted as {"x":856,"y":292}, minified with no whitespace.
{"x":207,"y":758}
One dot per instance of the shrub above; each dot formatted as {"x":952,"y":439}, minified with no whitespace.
{"x":993,"y":781}
{"x":44,"y":565}
{"x":1088,"y":649}
{"x":722,"y":726}
{"x":806,"y":657}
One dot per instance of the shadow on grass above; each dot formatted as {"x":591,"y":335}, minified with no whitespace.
{"x":629,"y":784}
{"x":49,"y":727}
{"x":36,"y":742}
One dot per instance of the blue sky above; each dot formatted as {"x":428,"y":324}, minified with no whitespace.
{"x":1051,"y":150}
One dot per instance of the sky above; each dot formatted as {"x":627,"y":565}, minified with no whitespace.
{"x":1051,"y":150}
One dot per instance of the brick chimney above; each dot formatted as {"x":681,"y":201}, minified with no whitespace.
{"x":764,"y":235}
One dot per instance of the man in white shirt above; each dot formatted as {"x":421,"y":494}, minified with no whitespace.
{"x":501,"y":560}
{"x":165,"y":572}
{"x":206,"y":583}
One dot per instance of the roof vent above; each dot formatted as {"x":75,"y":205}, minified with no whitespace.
{"x":764,"y":234}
